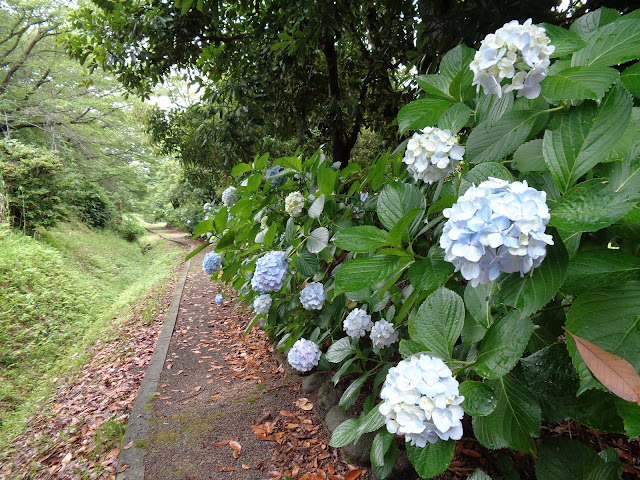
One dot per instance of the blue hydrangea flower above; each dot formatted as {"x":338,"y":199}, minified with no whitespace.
{"x":357,"y":323}
{"x":211,"y":263}
{"x":219,"y":299}
{"x":496,"y":227}
{"x":383,"y":334}
{"x":270,"y":271}
{"x":312,"y":296}
{"x":230,"y":197}
{"x":262,"y":304}
{"x":432,"y":154}
{"x":421,"y":401}
{"x":364,"y":196}
{"x":304,"y":355}
{"x":277,"y":181}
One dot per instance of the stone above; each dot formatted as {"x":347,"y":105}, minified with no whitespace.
{"x":403,"y":470}
{"x":328,"y":397}
{"x":359,"y":453}
{"x":314,"y":381}
{"x":335,"y":417}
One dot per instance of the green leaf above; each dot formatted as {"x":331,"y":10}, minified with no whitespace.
{"x":503,"y":345}
{"x":595,"y":269}
{"x":445,"y":202}
{"x":630,"y":413}
{"x":203,"y":227}
{"x":481,"y":173}
{"x":421,"y":113}
{"x":381,"y":443}
{"x":631,"y":79}
{"x":341,"y":371}
{"x":316,"y":208}
{"x":479,"y":399}
{"x":433,"y":459}
{"x":221,"y":219}
{"x":438,"y":322}
{"x":351,"y":393}
{"x":588,"y":207}
{"x":261,"y":161}
{"x":253,"y":183}
{"x":494,"y":142}
{"x":565,"y":41}
{"x":612,"y":44}
{"x":371,"y":422}
{"x":529,"y":158}
{"x":271,"y":234}
{"x":410,"y":347}
{"x":435,"y":86}
{"x":565,"y":459}
{"x":307,"y":263}
{"x":345,"y":433}
{"x":609,"y":319}
{"x":578,"y":83}
{"x":588,"y":24}
{"x":479,"y":475}
{"x":327,"y":180}
{"x":455,"y":66}
{"x":624,"y":177}
{"x":390,"y":459}
{"x":318,"y":240}
{"x":478,"y":302}
{"x":196,"y":251}
{"x":360,"y":273}
{"x":395,"y":201}
{"x":294,"y":163}
{"x":455,"y":118}
{"x":339,"y":350}
{"x":364,"y":238}
{"x":430,"y":273}
{"x":533,"y":291}
{"x":400,"y":229}
{"x":515,"y":420}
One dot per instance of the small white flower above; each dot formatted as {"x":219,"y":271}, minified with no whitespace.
{"x":383,"y":334}
{"x":357,"y":323}
{"x":230,"y":197}
{"x":432,"y":154}
{"x":312,"y":296}
{"x":262,"y":304}
{"x":304,"y":355}
{"x":294,"y":203}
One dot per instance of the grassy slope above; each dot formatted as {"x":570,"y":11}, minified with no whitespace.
{"x":58,"y":295}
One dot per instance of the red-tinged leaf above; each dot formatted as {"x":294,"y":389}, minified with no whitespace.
{"x":235,"y":445}
{"x":354,"y":474}
{"x":220,"y":444}
{"x":612,"y":371}
{"x":123,"y":468}
{"x":198,"y":388}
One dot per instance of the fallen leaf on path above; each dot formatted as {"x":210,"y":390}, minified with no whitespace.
{"x":221,"y":443}
{"x":246,"y":467}
{"x":198,"y":388}
{"x":304,"y":404}
{"x":225,"y":469}
{"x":236,"y":448}
{"x":128,"y":446}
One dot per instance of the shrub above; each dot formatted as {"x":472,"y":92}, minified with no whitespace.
{"x":130,"y":229}
{"x":92,"y":204}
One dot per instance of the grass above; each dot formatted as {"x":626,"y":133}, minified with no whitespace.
{"x":59,"y":294}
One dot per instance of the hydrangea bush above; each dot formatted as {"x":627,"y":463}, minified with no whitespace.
{"x":493,"y":250}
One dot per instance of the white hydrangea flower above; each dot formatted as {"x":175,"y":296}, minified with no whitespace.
{"x":312,"y":296}
{"x":304,"y":355}
{"x":357,"y":323}
{"x":262,"y":304}
{"x":518,"y":52}
{"x":206,"y":206}
{"x":211,"y":263}
{"x":230,"y":197}
{"x":383,"y":334}
{"x":496,"y":227}
{"x":263,"y":223}
{"x":293,"y":204}
{"x":219,"y":299}
{"x":421,"y":401}
{"x":432,"y":154}
{"x":270,"y":271}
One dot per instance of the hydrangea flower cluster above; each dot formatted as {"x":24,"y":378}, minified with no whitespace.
{"x":383,"y":334}
{"x":219,"y":299}
{"x":262,"y":304}
{"x":357,"y":323}
{"x":230,"y":197}
{"x":293,"y":204}
{"x":272,"y":172}
{"x":312,"y":296}
{"x":518,"y":52}
{"x":421,"y":401}
{"x":304,"y":355}
{"x":211,"y":263}
{"x":496,"y":227}
{"x":270,"y":271}
{"x":432,"y":154}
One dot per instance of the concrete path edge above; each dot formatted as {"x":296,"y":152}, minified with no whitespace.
{"x":138,"y":424}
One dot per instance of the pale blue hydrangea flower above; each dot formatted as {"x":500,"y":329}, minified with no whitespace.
{"x":421,"y":401}
{"x":211,"y":263}
{"x":304,"y":355}
{"x":312,"y":296}
{"x":432,"y":154}
{"x":262,"y":304}
{"x":272,"y":172}
{"x":496,"y":227}
{"x":357,"y":323}
{"x":293,"y":204}
{"x":364,"y":196}
{"x":230,"y":197}
{"x":383,"y":334}
{"x":219,"y":299}
{"x":270,"y":272}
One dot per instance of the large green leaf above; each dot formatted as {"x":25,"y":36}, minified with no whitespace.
{"x":533,"y":291}
{"x":365,"y":238}
{"x":515,"y":420}
{"x":585,"y":137}
{"x":435,"y":86}
{"x":529,"y":158}
{"x":631,"y":79}
{"x":318,"y":239}
{"x":379,"y":448}
{"x":455,"y":67}
{"x":479,"y":399}
{"x":566,"y":459}
{"x":438,"y":322}
{"x":482,"y":172}
{"x":595,"y":269}
{"x":351,"y":393}
{"x":494,"y":142}
{"x":396,"y":200}
{"x":612,"y":44}
{"x":478,"y":302}
{"x":630,"y":413}
{"x":307,"y":263}
{"x":587,"y":25}
{"x":503,"y":345}
{"x":421,"y":113}
{"x":240,"y":169}
{"x":400,"y":230}
{"x":454,"y":118}
{"x":315,"y":210}
{"x":433,"y":459}
{"x":345,"y":433}
{"x":624,"y":177}
{"x":564,"y":40}
{"x":339,"y":350}
{"x":221,"y":219}
{"x":610,"y":319}
{"x":578,"y":83}
{"x":360,"y":273}
{"x":430,"y":273}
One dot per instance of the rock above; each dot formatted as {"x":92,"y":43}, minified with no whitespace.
{"x":335,"y":417}
{"x":359,"y":453}
{"x":314,"y":381}
{"x":403,"y":469}
{"x":328,"y":397}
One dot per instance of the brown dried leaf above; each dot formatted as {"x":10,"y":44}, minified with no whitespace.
{"x":612,"y":371}
{"x":198,"y":388}
{"x":222,"y":443}
{"x":355,"y":474}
